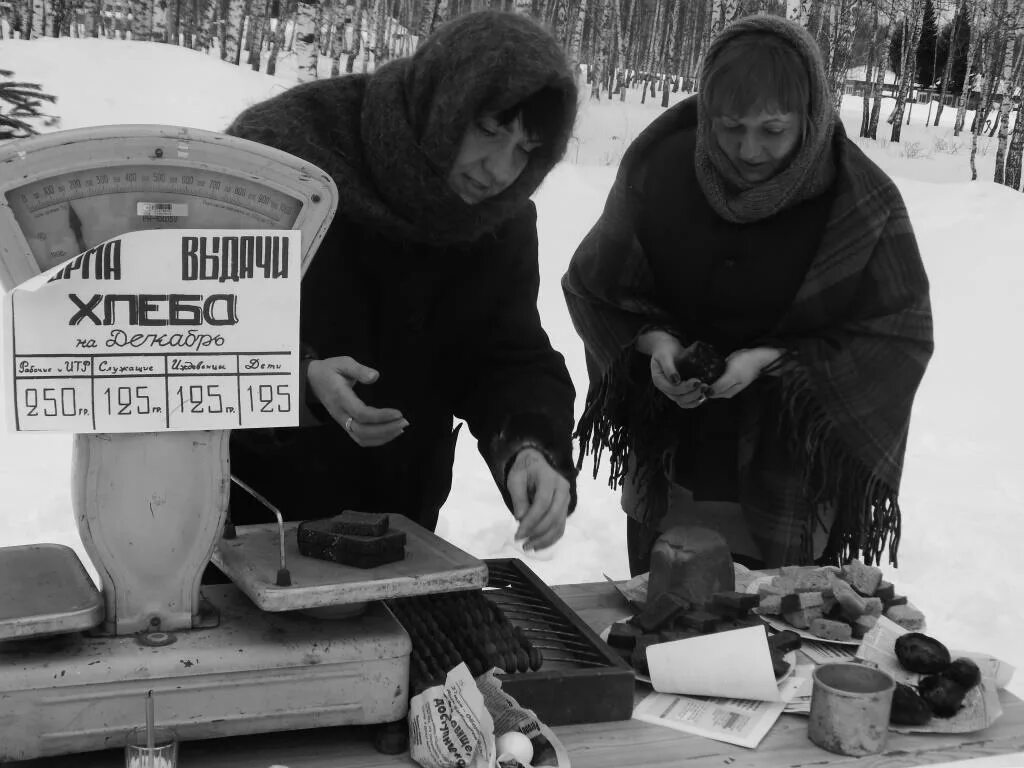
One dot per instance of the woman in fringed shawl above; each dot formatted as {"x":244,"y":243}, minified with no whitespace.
{"x":745,"y":218}
{"x":421,"y":302}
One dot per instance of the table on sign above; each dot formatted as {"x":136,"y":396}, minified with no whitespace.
{"x":151,"y":392}
{"x":606,"y":745}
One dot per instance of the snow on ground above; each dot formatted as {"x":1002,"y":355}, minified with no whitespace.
{"x":962,"y":494}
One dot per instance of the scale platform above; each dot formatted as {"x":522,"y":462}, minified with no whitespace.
{"x":45,"y":590}
{"x":251,"y":560}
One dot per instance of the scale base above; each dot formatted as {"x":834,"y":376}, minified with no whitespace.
{"x":257,"y":672}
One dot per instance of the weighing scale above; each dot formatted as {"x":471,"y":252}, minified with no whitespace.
{"x":266,"y":653}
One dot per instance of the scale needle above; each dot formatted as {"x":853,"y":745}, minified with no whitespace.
{"x":76,"y":226}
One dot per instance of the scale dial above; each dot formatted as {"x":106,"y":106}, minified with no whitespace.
{"x":65,"y":192}
{"x":61,"y":216}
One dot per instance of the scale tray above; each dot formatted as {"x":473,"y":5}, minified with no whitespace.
{"x":251,"y":560}
{"x":45,"y":590}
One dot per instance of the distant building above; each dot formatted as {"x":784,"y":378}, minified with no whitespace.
{"x":857,"y":84}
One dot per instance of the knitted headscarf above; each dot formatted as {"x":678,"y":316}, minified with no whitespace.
{"x":389,"y":138}
{"x":811,"y":169}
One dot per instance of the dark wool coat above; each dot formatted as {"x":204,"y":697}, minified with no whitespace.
{"x":857,"y":336}
{"x":454,"y":331}
{"x":437,"y":295}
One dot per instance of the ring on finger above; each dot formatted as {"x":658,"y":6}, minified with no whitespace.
{"x":348,"y":425}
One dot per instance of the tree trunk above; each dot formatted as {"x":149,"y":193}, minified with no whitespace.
{"x":947,"y":71}
{"x":879,"y":86}
{"x":977,"y":18}
{"x":576,"y":39}
{"x":798,"y":11}
{"x":980,"y":115}
{"x":284,"y":10}
{"x":840,"y":45}
{"x":339,"y":44}
{"x":717,"y":13}
{"x":37,"y":19}
{"x":1014,"y":156}
{"x":911,"y":37}
{"x":260,"y":22}
{"x":427,"y":20}
{"x":305,"y":42}
{"x":357,"y":33}
{"x":1005,"y":88}
{"x":605,"y":33}
{"x":382,"y":39}
{"x":869,"y":64}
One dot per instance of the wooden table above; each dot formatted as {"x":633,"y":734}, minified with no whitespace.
{"x":599,"y":745}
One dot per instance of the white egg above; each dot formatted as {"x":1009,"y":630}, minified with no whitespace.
{"x":516,"y":744}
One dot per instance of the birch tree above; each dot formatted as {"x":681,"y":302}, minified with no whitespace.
{"x":285,"y":9}
{"x":840,"y":44}
{"x":1008,"y":79}
{"x":982,"y":112}
{"x":978,"y":21}
{"x":304,"y":46}
{"x":1014,"y":158}
{"x":911,"y":35}
{"x":357,"y":35}
{"x":605,"y":33}
{"x":947,"y":71}
{"x":576,"y":39}
{"x":878,"y":87}
{"x":798,"y":11}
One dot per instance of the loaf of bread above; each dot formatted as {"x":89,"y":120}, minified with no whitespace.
{"x":320,"y":539}
{"x":827,"y":629}
{"x":360,"y":523}
{"x":692,"y":563}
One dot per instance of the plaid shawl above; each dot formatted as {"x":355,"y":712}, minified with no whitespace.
{"x":831,"y":429}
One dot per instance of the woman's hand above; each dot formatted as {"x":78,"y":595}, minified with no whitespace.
{"x":332,"y":381}
{"x":664,"y":349}
{"x":741,"y":368}
{"x":540,"y":499}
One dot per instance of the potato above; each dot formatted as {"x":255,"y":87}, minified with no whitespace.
{"x":908,"y":708}
{"x":964,"y":673}
{"x":919,"y":653}
{"x":944,"y":697}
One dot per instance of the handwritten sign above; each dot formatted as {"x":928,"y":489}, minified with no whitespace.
{"x":169,"y":329}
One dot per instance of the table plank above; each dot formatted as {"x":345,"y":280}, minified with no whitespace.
{"x":596,"y":745}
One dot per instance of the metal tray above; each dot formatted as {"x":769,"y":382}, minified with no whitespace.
{"x":579,"y":680}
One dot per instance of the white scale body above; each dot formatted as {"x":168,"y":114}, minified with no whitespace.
{"x":75,"y":662}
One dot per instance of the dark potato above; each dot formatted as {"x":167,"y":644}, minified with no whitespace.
{"x":964,"y":673}
{"x":908,"y":708}
{"x":922,"y":654}
{"x":944,"y":697}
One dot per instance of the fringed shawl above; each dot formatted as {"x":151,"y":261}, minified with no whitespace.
{"x":831,"y":430}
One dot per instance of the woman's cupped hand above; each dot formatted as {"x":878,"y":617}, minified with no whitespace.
{"x":333,"y":382}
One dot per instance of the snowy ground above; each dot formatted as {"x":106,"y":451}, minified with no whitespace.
{"x":963,"y":495}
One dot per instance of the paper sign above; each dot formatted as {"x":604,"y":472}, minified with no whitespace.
{"x":172,"y":329}
{"x":735,"y":664}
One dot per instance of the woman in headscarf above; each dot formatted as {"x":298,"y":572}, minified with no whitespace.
{"x":745,"y":219}
{"x":421,"y":302}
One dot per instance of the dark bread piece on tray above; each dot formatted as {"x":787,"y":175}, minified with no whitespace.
{"x":360,"y":523}
{"x":318,"y":539}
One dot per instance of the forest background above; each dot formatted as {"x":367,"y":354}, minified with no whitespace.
{"x":958,"y":54}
